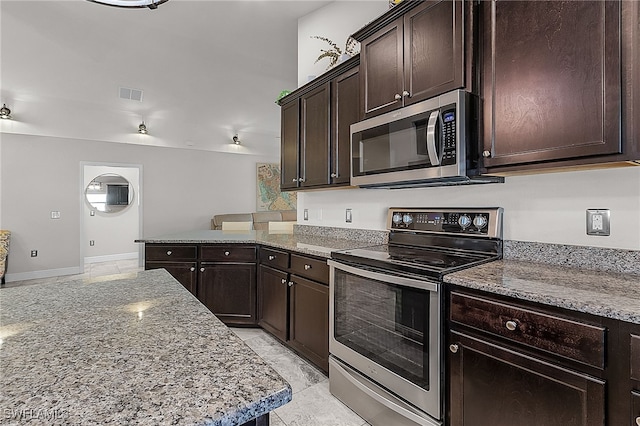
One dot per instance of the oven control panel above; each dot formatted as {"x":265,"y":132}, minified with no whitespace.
{"x":478,"y":222}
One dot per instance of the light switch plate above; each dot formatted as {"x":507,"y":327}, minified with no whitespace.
{"x":598,"y":222}
{"x":348,"y":217}
{"x":305,"y":214}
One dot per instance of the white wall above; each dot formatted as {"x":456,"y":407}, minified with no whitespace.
{"x":336,"y":21}
{"x":543,"y":208}
{"x":182,"y":189}
{"x":548,"y":208}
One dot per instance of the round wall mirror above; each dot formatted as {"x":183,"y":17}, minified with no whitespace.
{"x":109,"y":193}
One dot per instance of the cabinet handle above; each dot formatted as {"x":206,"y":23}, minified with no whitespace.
{"x":290,"y":283}
{"x":511,"y":325}
{"x":405,"y":94}
{"x":192,"y":268}
{"x":307,"y":267}
{"x":397,"y":97}
{"x":486,"y":154}
{"x":284,"y":281}
{"x":271,"y":257}
{"x":226,"y":253}
{"x":294,"y":180}
{"x":169,"y":252}
{"x":201,"y":269}
{"x":334,"y":175}
{"x":638,"y":420}
{"x":301,"y":180}
{"x":453,"y":348}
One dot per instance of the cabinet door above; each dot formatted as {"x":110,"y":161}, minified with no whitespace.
{"x":309,"y":320}
{"x":290,"y":122}
{"x":433,"y":49}
{"x":229,"y":291}
{"x":551,"y":78}
{"x":345,"y":112}
{"x":185,"y":272}
{"x":492,"y":385}
{"x":314,"y":139}
{"x":273,"y":301}
{"x":381,"y":57}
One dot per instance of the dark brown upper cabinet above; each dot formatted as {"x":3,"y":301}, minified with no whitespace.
{"x":289,"y":129}
{"x":551,"y":74}
{"x":315,"y":129}
{"x":305,"y":140}
{"x":345,"y":104}
{"x":416,"y":56}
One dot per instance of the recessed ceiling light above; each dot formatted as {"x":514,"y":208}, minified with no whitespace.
{"x":151,"y":4}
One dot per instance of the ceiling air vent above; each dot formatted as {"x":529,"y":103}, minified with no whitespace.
{"x":131,"y":94}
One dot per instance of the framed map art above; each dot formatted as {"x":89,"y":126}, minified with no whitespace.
{"x":269,"y":196}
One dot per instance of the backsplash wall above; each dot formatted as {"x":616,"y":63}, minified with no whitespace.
{"x":548,"y":208}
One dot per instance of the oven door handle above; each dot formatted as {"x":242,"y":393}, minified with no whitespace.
{"x":402,"y":281}
{"x":391,"y":405}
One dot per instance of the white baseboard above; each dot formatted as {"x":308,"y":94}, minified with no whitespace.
{"x":45,"y":273}
{"x":111,"y":257}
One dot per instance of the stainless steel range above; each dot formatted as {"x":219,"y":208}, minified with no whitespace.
{"x":386,"y":319}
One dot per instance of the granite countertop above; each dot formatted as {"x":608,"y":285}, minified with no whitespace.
{"x":141,"y":350}
{"x":310,"y":244}
{"x":606,"y":294}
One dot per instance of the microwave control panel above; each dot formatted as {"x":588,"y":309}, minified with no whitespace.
{"x":479,"y":222}
{"x":448,"y":129}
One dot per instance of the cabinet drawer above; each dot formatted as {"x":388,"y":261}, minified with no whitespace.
{"x":578,"y":341}
{"x":170,"y":252}
{"x":635,"y":357}
{"x":310,"y":268}
{"x":228,"y":253}
{"x":274,"y":258}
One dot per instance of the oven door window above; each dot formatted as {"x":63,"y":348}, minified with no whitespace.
{"x":384,"y":322}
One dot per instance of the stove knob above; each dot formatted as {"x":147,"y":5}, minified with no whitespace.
{"x":480,"y":221}
{"x":464,"y":221}
{"x":407,"y":219}
{"x":397,"y":218}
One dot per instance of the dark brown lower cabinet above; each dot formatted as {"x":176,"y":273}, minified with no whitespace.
{"x":492,"y":385}
{"x":309,"y":320}
{"x":229,"y":291}
{"x":185,"y":272}
{"x":273,"y":301}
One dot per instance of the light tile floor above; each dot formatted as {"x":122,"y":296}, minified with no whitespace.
{"x":312,"y":403}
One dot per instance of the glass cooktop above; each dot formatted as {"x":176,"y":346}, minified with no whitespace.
{"x":430,"y":261}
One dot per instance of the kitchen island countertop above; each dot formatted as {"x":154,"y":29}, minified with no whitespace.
{"x":140,"y":350}
{"x":606,"y":294}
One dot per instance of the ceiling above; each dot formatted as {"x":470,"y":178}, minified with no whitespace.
{"x":208,"y":69}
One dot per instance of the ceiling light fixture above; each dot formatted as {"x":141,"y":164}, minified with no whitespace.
{"x":5,"y":113}
{"x":142,"y":128}
{"x":151,"y":4}
{"x":236,"y":140}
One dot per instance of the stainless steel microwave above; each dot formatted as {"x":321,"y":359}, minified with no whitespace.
{"x":430,"y":143}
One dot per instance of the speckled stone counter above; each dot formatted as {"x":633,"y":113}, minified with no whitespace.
{"x":131,"y":351}
{"x":313,"y":244}
{"x":607,"y":294}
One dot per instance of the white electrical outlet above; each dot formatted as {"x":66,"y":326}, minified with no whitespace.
{"x":598,"y":222}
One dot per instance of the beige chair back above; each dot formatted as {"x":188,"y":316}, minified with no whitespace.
{"x":216,"y":222}
{"x":281,"y":227}
{"x":236,"y":226}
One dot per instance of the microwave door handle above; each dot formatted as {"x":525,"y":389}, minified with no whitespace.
{"x":431,"y":138}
